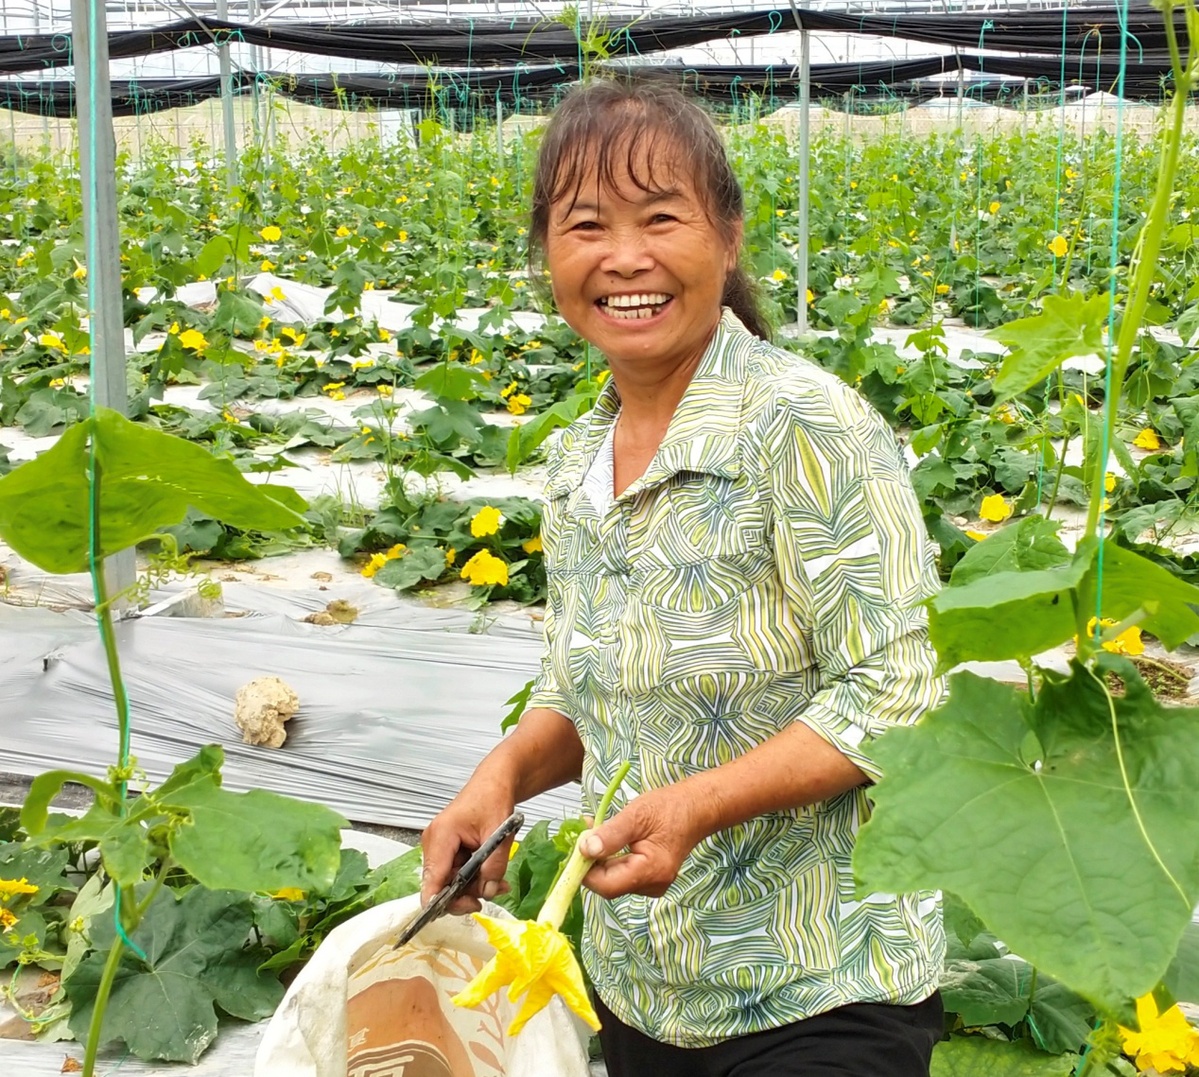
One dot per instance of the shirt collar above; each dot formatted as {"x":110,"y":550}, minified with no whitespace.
{"x":703,"y":432}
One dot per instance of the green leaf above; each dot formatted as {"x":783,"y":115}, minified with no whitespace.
{"x":1060,"y":1020}
{"x":164,"y":1008}
{"x":519,"y":703}
{"x":396,"y":879}
{"x":1004,"y":615}
{"x":973,"y":1056}
{"x":983,"y":992}
{"x":1031,"y":545}
{"x":43,"y":868}
{"x":46,"y":786}
{"x":148,"y":480}
{"x":451,"y":381}
{"x":213,"y":256}
{"x":1068,"y":325}
{"x":1182,"y":977}
{"x":1070,"y":880}
{"x":253,"y":841}
{"x":419,"y":564}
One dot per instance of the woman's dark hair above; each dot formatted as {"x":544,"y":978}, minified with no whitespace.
{"x":604,"y":120}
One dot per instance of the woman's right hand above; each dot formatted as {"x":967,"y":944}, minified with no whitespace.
{"x":448,"y":841}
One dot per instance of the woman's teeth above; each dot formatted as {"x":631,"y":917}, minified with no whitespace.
{"x":628,"y":307}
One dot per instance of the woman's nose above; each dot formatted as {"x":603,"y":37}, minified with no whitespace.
{"x":627,"y":254}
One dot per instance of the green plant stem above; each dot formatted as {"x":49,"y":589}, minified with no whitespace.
{"x":1144,"y":261}
{"x":107,"y":979}
{"x":559,"y":899}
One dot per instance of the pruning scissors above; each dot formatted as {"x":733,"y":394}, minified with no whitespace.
{"x":462,"y":879}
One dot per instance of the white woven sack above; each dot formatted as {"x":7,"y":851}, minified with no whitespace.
{"x":360,"y":1008}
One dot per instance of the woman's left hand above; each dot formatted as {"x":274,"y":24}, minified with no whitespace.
{"x":659,"y":828}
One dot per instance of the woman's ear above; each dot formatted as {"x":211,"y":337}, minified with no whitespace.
{"x":736,"y":237}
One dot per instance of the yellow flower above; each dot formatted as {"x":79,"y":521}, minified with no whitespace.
{"x":476,"y":357}
{"x":288,"y":893}
{"x":377,"y":561}
{"x":1058,"y":247}
{"x":1127,"y":642}
{"x":52,"y":340}
{"x":993,"y":207}
{"x":779,"y":275}
{"x":384,"y":334}
{"x":267,"y":265}
{"x":403,"y":236}
{"x":5,"y":313}
{"x":487,"y":521}
{"x":978,"y":536}
{"x":1071,"y":174}
{"x":11,"y":888}
{"x":942,"y":289}
{"x":519,"y":403}
{"x":80,"y":272}
{"x":811,"y":295}
{"x":57,"y":383}
{"x":1166,"y":1042}
{"x":530,"y":957}
{"x":1005,"y":414}
{"x":383,"y":390}
{"x":1109,"y":482}
{"x":451,"y":555}
{"x":297,"y":338}
{"x":396,"y":551}
{"x":263,"y":324}
{"x":995,"y":508}
{"x":272,"y":233}
{"x":275,"y":295}
{"x":533,"y":545}
{"x":7,"y":920}
{"x":193,"y":339}
{"x":485,"y":569}
{"x":1148,"y":439}
{"x":853,"y":185}
{"x":342,"y":231}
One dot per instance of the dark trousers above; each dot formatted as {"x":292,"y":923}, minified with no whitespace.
{"x":860,"y":1040}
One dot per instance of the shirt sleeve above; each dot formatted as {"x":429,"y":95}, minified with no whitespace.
{"x":546,"y":690}
{"x":855,"y":563}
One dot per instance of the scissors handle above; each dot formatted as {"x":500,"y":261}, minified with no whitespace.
{"x":464,"y":876}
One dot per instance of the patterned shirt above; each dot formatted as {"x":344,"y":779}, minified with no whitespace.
{"x":765,"y":569}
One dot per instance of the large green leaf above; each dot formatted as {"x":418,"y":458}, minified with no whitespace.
{"x":164,"y":1007}
{"x":983,"y":992}
{"x":1182,"y":977}
{"x":1021,"y":809}
{"x":1060,"y":1020}
{"x":249,"y":841}
{"x":397,"y":878}
{"x":1068,"y":325}
{"x":978,"y":1056}
{"x":148,"y":480}
{"x":1030,"y":545}
{"x":1004,"y":615}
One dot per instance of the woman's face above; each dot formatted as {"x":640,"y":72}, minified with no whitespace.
{"x":637,"y":273}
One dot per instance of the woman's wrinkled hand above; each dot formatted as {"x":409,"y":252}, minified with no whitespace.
{"x":448,"y":841}
{"x":658,"y":829}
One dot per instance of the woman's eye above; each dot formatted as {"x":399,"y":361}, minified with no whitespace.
{"x":584,"y":226}
{"x":663,"y":218}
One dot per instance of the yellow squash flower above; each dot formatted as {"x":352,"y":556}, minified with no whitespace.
{"x":978,"y":536}
{"x":1166,"y":1042}
{"x":11,"y":888}
{"x":534,"y":956}
{"x":1058,"y":247}
{"x":267,"y":265}
{"x":533,"y":545}
{"x":377,"y":561}
{"x":193,"y":339}
{"x":1109,"y":482}
{"x":484,"y":569}
{"x":993,"y":207}
{"x":995,"y":508}
{"x":942,"y":289}
{"x":779,"y":275}
{"x":272,"y":233}
{"x":342,"y":231}
{"x":52,"y":340}
{"x":1127,"y":642}
{"x":288,"y":893}
{"x":530,"y":957}
{"x":487,"y":521}
{"x":7,"y":920}
{"x":519,"y":403}
{"x":1148,"y":439}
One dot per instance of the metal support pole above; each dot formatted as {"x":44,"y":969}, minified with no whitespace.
{"x":226,"y":71}
{"x":805,"y":130}
{"x":97,"y":173}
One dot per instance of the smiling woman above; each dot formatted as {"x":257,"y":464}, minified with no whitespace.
{"x":735,"y":563}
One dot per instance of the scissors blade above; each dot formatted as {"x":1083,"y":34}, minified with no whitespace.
{"x":462,"y":878}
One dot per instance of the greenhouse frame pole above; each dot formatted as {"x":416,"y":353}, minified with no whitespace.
{"x":805,"y":131}
{"x":101,"y":238}
{"x":226,"y":73}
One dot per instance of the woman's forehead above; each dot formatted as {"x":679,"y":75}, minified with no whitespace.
{"x":633,"y":170}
